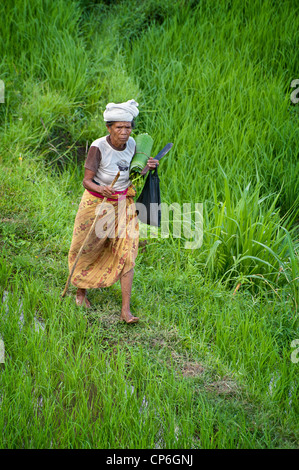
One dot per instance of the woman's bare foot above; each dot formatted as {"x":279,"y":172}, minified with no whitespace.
{"x":128,"y":317}
{"x":81,"y":298}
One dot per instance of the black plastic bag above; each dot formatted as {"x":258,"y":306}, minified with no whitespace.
{"x":148,"y":203}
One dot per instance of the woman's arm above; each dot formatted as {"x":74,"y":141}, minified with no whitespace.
{"x":91,"y":165}
{"x":105,"y":191}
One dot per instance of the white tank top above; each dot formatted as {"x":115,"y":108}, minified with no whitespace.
{"x":112,"y":161}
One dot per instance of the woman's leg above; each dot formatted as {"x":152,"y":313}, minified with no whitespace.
{"x":126,"y":282}
{"x":81,"y":298}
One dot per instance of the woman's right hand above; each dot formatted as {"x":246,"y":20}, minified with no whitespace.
{"x":106,"y":191}
{"x":88,"y":184}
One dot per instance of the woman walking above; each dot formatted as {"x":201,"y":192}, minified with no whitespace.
{"x":112,"y":249}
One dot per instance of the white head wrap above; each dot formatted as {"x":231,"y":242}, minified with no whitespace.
{"x":121,"y":111}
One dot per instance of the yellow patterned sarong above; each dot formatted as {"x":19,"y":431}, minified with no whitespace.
{"x":113,"y":246}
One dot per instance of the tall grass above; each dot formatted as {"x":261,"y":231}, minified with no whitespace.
{"x":225,"y":103}
{"x":226,"y":98}
{"x":248,"y":240}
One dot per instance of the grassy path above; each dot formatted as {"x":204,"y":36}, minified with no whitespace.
{"x":203,"y":368}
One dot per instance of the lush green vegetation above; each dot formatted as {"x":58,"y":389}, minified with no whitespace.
{"x":209,"y":365}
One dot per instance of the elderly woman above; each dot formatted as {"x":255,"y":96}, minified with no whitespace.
{"x":108,"y":258}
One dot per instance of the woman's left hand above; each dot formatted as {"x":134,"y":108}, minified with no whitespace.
{"x":152,"y":163}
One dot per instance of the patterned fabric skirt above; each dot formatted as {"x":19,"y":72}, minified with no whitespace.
{"x":113,"y":245}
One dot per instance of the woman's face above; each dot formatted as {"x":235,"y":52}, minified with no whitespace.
{"x":120,"y":132}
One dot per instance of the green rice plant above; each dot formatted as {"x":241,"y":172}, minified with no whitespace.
{"x":245,"y":237}
{"x":218,"y":100}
